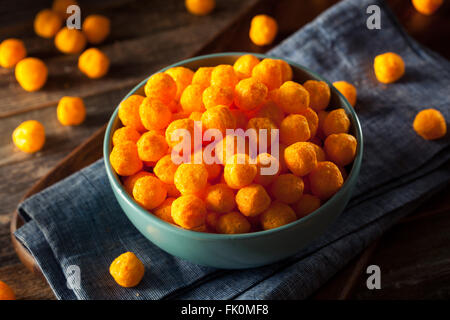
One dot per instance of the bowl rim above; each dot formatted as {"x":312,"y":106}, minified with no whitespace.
{"x":159,"y":223}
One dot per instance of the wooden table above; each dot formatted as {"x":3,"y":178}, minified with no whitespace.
{"x":147,"y":35}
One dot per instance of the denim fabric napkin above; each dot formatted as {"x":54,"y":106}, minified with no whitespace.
{"x":78,"y":221}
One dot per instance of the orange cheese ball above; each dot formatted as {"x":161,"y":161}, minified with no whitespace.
{"x":71,"y":111}
{"x":215,"y":95}
{"x":47,"y":23}
{"x":6,"y":293}
{"x":93,"y":63}
{"x":347,"y":90}
{"x":70,"y":41}
{"x":319,"y":94}
{"x":244,"y":65}
{"x":202,"y":76}
{"x":154,"y":114}
{"x":130,"y":181}
{"x":305,"y":205}
{"x":336,"y":121}
{"x":214,"y":169}
{"x":252,"y":200}
{"x":250,"y":94}
{"x":152,"y":146}
{"x":182,"y":76}
{"x":191,"y":178}
{"x":60,"y":6}
{"x":277,"y":215}
{"x":239,"y":172}
{"x":218,"y":117}
{"x":129,"y":112}
{"x":232,"y":223}
{"x":189,"y":211}
{"x":161,"y":86}
{"x":263,"y":30}
{"x":340,"y":148}
{"x":125,"y":160}
{"x":96,"y":28}
{"x":219,"y":198}
{"x":325,"y":180}
{"x":300,"y":158}
{"x":292,"y":97}
{"x":294,"y":128}
{"x":165,"y":169}
{"x":164,"y":210}
{"x":31,"y":73}
{"x":430,"y":124}
{"x":149,"y":192}
{"x":313,"y":120}
{"x":272,"y":111}
{"x":29,"y":136}
{"x":320,"y":154}
{"x":286,"y":70}
{"x":269,"y":72}
{"x":200,"y":7}
{"x":240,"y":117}
{"x":127,"y":270}
{"x":259,"y":124}
{"x":427,"y":7}
{"x":264,"y":162}
{"x":11,"y":52}
{"x":287,"y":188}
{"x":192,"y":98}
{"x":389,"y":67}
{"x":212,"y":218}
{"x":180,"y":124}
{"x":224,"y":75}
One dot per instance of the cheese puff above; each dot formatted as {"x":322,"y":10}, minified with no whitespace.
{"x":180,"y":124}
{"x":161,"y":86}
{"x":47,"y":23}
{"x":389,"y":67}
{"x":182,"y":76}
{"x":347,"y":90}
{"x":6,"y":293}
{"x":232,"y":223}
{"x":313,"y":120}
{"x":129,"y":181}
{"x":11,"y":52}
{"x":294,"y":128}
{"x":215,"y":95}
{"x":125,"y":160}
{"x":31,"y":73}
{"x":325,"y":180}
{"x":266,"y":164}
{"x":270,"y":110}
{"x":250,"y":94}
{"x":306,"y":205}
{"x":286,"y":71}
{"x":29,"y":136}
{"x":189,"y":211}
{"x":263,"y":30}
{"x":336,"y":121}
{"x":70,"y":41}
{"x":218,"y":117}
{"x":154,"y":114}
{"x":340,"y":148}
{"x":71,"y":111}
{"x":214,"y":169}
{"x":292,"y":97}
{"x":287,"y":188}
{"x":240,"y":117}
{"x":191,"y":178}
{"x":164,"y":210}
{"x":220,"y":198}
{"x":202,"y":76}
{"x":277,"y":215}
{"x":224,"y":75}
{"x":269,"y":72}
{"x":165,"y":169}
{"x":430,"y":124}
{"x":192,"y":99}
{"x":244,"y":65}
{"x":129,"y":112}
{"x":200,"y":7}
{"x":96,"y":28}
{"x":320,"y":154}
{"x":259,"y":124}
{"x":152,"y":146}
{"x":124,"y":134}
{"x":427,"y":7}
{"x":300,"y":158}
{"x":149,"y":192}
{"x":127,"y":270}
{"x":93,"y":63}
{"x":319,"y":94}
{"x":239,"y":172}
{"x":252,"y":200}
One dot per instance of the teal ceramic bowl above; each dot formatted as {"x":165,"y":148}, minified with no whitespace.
{"x":241,"y":250}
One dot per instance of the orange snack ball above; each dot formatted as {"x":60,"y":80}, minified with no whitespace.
{"x":219,"y":198}
{"x":164,"y":210}
{"x":60,"y":6}
{"x":218,"y":117}
{"x":192,"y":98}
{"x":96,"y":28}
{"x":129,"y":112}
{"x":127,"y":270}
{"x":224,"y":75}
{"x":336,"y":121}
{"x":183,"y":78}
{"x":29,"y":136}
{"x":430,"y":124}
{"x":152,"y":146}
{"x":294,"y":128}
{"x":269,"y":72}
{"x":125,"y":160}
{"x":292,"y":97}
{"x":31,"y":73}
{"x":259,"y":124}
{"x":300,"y":158}
{"x":313,"y":120}
{"x":305,"y":205}
{"x":129,"y":181}
{"x":71,"y":111}
{"x":165,"y":169}
{"x":161,"y":86}
{"x":277,"y":215}
{"x":232,"y":223}
{"x":427,"y":7}
{"x":47,"y":23}
{"x":389,"y":67}
{"x":154,"y":114}
{"x":244,"y":65}
{"x":319,"y":94}
{"x":93,"y":63}
{"x":6,"y":293}
{"x":212,"y":218}
{"x":252,"y":200}
{"x":191,"y":178}
{"x":70,"y":41}
{"x":325,"y":180}
{"x":287,"y":188}
{"x":340,"y":148}
{"x":263,"y":30}
{"x":272,"y":111}
{"x":347,"y":90}
{"x":250,"y":94}
{"x":149,"y":192}
{"x":266,"y":163}
{"x":215,"y":95}
{"x":189,"y":211}
{"x":320,"y":154}
{"x":200,"y":7}
{"x":202,"y":76}
{"x":180,"y":124}
{"x":11,"y":52}
{"x":286,"y":71}
{"x":240,"y":117}
{"x":239,"y":172}
{"x":214,"y":169}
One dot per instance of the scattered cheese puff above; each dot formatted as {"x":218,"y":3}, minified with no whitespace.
{"x":189,"y":211}
{"x":336,"y":121}
{"x":389,"y":67}
{"x":161,"y":86}
{"x":130,"y":181}
{"x":264,"y":162}
{"x":164,"y":210}
{"x":212,"y":218}
{"x":224,"y":75}
{"x":11,"y":52}
{"x":200,"y":7}
{"x":154,"y":114}
{"x":292,"y":97}
{"x":347,"y":90}
{"x":244,"y":65}
{"x":192,"y":99}
{"x":127,"y":270}
{"x":430,"y":124}
{"x":47,"y":23}
{"x":31,"y":73}
{"x":191,"y":178}
{"x":287,"y":188}
{"x":259,"y":124}
{"x":202,"y":76}
{"x":182,"y":76}
{"x":180,"y":124}
{"x":129,"y":112}
{"x":294,"y":128}
{"x":96,"y":28}
{"x":340,"y":148}
{"x":125,"y":160}
{"x":427,"y":7}
{"x":232,"y":223}
{"x":305,"y":205}
{"x":215,"y":95}
{"x":6,"y":293}
{"x":60,"y":6}
{"x":252,"y":200}
{"x":220,"y":198}
{"x":250,"y":94}
{"x":149,"y":192}
{"x":272,"y":111}
{"x":239,"y":172}
{"x":70,"y":41}
{"x":218,"y":117}
{"x":269,"y":72}
{"x":240,"y":117}
{"x":325,"y":180}
{"x":300,"y":158}
{"x":286,"y":70}
{"x":93,"y":63}
{"x":165,"y":169}
{"x":263,"y":30}
{"x":71,"y":111}
{"x":277,"y":215}
{"x":319,"y":94}
{"x":152,"y":146}
{"x":29,"y":136}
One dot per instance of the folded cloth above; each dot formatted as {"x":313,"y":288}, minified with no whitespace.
{"x":77,"y":222}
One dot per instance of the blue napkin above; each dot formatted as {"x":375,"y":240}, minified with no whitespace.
{"x":77,"y":222}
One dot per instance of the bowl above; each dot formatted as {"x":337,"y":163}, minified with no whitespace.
{"x":237,"y":251}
